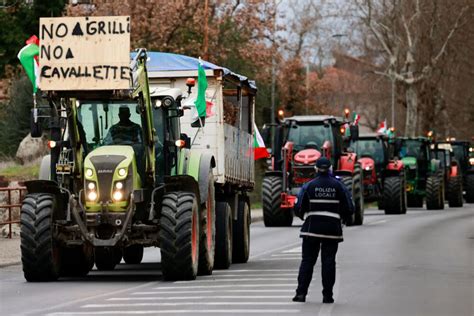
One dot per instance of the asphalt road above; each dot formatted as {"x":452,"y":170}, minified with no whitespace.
{"x":421,"y":263}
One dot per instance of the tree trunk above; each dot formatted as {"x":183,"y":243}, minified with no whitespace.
{"x":412,"y":110}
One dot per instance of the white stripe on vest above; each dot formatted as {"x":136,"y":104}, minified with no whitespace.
{"x":324,"y":201}
{"x":323,"y":213}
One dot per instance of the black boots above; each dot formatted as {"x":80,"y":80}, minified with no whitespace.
{"x":299,"y":298}
{"x":328,"y":299}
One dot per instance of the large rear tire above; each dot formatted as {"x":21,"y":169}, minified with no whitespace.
{"x":106,"y":258}
{"x":77,"y":261}
{"x":273,"y":214}
{"x":179,"y":236}
{"x":455,"y":192}
{"x":223,"y":256}
{"x":208,"y":230}
{"x":40,"y":254}
{"x":434,"y":193}
{"x":241,"y":232}
{"x":393,"y":195}
{"x":133,"y":254}
{"x":470,"y":188}
{"x":359,"y":196}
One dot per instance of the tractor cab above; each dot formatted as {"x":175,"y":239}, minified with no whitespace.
{"x":372,"y":150}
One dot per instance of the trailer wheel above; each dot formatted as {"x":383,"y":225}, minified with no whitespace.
{"x":133,"y":254}
{"x":76,"y":261}
{"x":455,"y":192}
{"x":106,"y":258}
{"x":241,"y":232}
{"x":179,"y":236}
{"x":40,"y":254}
{"x":393,"y":195}
{"x":273,"y":214}
{"x":470,"y":188}
{"x":434,"y":193}
{"x":208,"y":231}
{"x":223,"y":256}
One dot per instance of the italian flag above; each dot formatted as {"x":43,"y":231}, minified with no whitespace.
{"x":355,"y":118}
{"x":382,"y":127}
{"x":28,"y":57}
{"x":200,"y":103}
{"x":259,"y":149}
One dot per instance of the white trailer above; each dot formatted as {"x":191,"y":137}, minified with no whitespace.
{"x":227,"y":135}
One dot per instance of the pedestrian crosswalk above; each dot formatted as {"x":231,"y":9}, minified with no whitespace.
{"x":261,"y":288}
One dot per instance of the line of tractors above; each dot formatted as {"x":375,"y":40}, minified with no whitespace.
{"x":394,"y":172}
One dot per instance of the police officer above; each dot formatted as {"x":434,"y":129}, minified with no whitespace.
{"x":323,"y":203}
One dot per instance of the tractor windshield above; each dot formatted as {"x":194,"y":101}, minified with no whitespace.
{"x":309,"y":136}
{"x":411,"y":148}
{"x":109,"y":123}
{"x":370,"y":148}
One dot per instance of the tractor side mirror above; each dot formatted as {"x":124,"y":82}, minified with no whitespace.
{"x":35,"y":126}
{"x":354,"y":129}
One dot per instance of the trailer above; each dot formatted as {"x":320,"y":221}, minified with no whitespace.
{"x":226,"y":133}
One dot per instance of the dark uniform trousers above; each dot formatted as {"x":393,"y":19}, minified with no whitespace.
{"x":311,"y":247}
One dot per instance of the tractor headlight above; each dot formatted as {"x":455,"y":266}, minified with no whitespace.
{"x":119,"y":185}
{"x":92,"y":196}
{"x":368,"y":168}
{"x":91,"y":186}
{"x":89,"y":173}
{"x":471,"y":161}
{"x":122,"y":172}
{"x":118,"y":196}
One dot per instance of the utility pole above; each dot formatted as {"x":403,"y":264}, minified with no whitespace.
{"x":206,"y":29}
{"x":393,"y":100}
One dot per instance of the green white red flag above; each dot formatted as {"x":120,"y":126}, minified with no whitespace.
{"x":382,"y":127}
{"x":28,"y":57}
{"x":259,"y":149}
{"x":355,"y":118}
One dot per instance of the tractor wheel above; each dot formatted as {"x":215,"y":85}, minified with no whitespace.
{"x":347,"y":181}
{"x":40,"y":254}
{"x":359,"y":196}
{"x":455,"y":191}
{"x":434,"y":193}
{"x":106,"y":258}
{"x":404,"y":194}
{"x":76,"y":261}
{"x":179,"y":236}
{"x":470,"y":188}
{"x":208,"y":230}
{"x":133,"y":254}
{"x":393,"y":195}
{"x":223,"y":257}
{"x":414,"y":200}
{"x":273,"y":214}
{"x":241,"y":232}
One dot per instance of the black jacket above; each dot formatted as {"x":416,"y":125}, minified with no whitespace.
{"x":323,"y":203}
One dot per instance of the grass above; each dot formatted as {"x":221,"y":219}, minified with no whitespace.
{"x":16,"y":172}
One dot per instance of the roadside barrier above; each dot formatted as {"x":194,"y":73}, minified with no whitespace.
{"x":10,"y":207}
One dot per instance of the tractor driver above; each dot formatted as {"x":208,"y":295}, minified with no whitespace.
{"x":125,"y":132}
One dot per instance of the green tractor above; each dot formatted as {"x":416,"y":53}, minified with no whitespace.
{"x":451,"y":173}
{"x":106,"y":192}
{"x":424,"y":177}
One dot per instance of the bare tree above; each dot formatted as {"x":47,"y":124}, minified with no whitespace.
{"x":398,"y":26}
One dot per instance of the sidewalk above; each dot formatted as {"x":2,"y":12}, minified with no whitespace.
{"x":10,"y":248}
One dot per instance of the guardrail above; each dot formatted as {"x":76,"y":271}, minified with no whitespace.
{"x":10,"y":206}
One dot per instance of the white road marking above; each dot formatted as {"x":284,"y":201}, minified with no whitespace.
{"x":249,"y":275}
{"x":181,"y":311}
{"x":218,"y":286}
{"x":211,"y":291}
{"x":162,"y":304}
{"x":274,"y":250}
{"x":378,"y":222}
{"x":293,"y":250}
{"x":169,"y":298}
{"x":235,"y":280}
{"x":276,"y":259}
{"x":253,"y":270}
{"x":286,"y":255}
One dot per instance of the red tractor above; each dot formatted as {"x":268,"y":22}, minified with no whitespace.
{"x":298,"y":142}
{"x":383,"y":177}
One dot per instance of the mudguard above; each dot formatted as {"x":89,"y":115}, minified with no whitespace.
{"x":274,"y":173}
{"x":182,"y":183}
{"x":347,"y":162}
{"x":197,"y":165}
{"x":45,"y":168}
{"x":207,"y":163}
{"x":454,"y":170}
